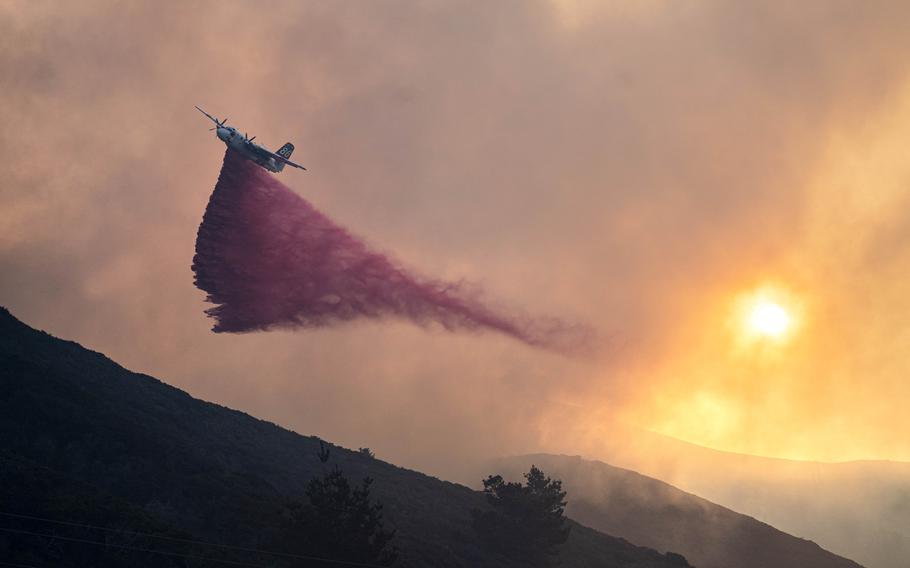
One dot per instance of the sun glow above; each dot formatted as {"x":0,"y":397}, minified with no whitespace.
{"x":769,"y":319}
{"x":766,"y":313}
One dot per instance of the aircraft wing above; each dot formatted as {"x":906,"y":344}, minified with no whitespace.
{"x":212,"y":118}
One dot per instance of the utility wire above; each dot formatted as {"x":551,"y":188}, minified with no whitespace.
{"x":14,"y":458}
{"x":126,"y":547}
{"x":185,"y":541}
{"x":139,"y":533}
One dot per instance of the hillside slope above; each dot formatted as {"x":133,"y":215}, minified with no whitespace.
{"x":858,"y":509}
{"x":655,"y":514}
{"x":126,"y":450}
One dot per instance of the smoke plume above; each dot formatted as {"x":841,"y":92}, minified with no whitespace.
{"x":268,"y":259}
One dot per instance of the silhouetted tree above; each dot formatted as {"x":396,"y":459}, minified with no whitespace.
{"x":367,"y":452}
{"x":526,"y":522}
{"x":340,"y":522}
{"x":323,"y":452}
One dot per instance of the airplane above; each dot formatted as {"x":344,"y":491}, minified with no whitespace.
{"x":272,"y":161}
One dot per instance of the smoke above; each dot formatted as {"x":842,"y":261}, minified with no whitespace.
{"x":268,"y":259}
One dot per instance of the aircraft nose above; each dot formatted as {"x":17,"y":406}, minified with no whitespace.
{"x":222,"y":133}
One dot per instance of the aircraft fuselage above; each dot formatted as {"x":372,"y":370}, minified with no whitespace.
{"x":238,"y":142}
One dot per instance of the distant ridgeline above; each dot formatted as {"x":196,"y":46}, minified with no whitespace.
{"x":103,"y":467}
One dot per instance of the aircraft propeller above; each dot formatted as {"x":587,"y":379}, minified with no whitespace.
{"x":219,"y":123}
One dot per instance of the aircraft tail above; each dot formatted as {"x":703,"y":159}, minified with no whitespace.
{"x":285,"y":152}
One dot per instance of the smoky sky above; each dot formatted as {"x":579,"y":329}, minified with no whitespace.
{"x":630,"y":164}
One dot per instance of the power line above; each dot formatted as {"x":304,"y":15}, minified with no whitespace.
{"x":140,"y":533}
{"x":14,"y":458}
{"x":188,"y":541}
{"x":126,"y":547}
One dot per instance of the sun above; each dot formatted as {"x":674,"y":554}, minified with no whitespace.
{"x":768,"y":313}
{"x":769,"y":319}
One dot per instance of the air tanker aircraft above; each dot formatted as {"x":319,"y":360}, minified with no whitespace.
{"x":272,"y":161}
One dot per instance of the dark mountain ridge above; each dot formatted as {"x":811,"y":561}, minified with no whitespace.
{"x":857,"y":509}
{"x":86,"y":441}
{"x":652,"y":513}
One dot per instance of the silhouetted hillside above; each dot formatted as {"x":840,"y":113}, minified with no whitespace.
{"x":655,"y":514}
{"x":86,"y":442}
{"x":859,"y":509}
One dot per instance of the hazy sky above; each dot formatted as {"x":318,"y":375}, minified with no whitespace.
{"x":642,"y":166}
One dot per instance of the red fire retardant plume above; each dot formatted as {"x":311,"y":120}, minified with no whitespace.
{"x":268,"y":259}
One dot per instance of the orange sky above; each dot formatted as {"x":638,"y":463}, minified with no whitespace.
{"x":637,"y":165}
